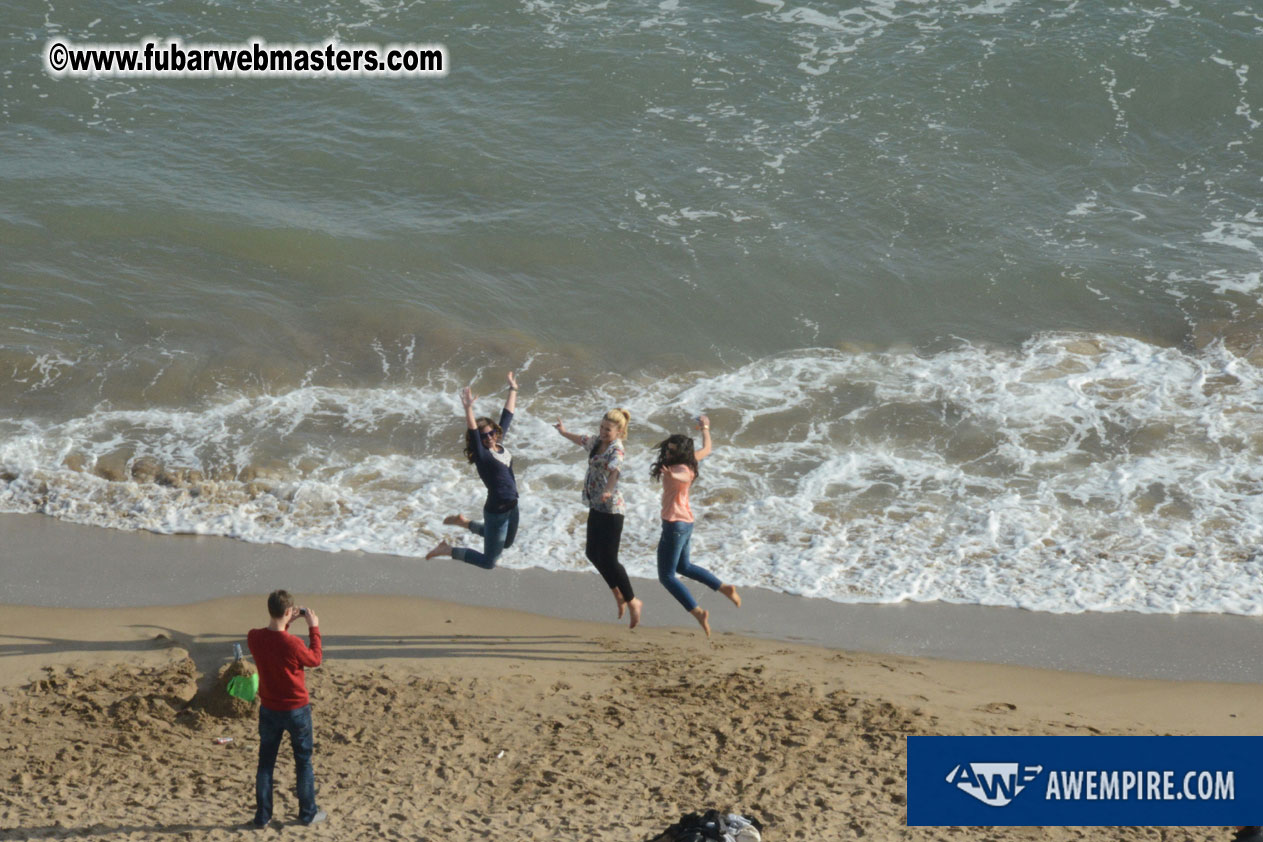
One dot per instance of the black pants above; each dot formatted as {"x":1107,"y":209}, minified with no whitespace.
{"x":605,"y":531}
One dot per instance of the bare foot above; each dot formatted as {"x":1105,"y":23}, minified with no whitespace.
{"x":622,"y":603}
{"x":703,"y":617}
{"x":731,"y":592}
{"x":443,"y":548}
{"x":456,"y":520}
{"x":634,"y":606}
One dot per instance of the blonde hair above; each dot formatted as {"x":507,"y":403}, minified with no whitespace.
{"x":620,"y":418}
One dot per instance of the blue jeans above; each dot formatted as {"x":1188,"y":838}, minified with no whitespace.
{"x":673,"y":558}
{"x":498,"y":529}
{"x":272,"y":726}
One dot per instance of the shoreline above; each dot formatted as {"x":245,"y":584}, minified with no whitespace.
{"x":50,"y":563}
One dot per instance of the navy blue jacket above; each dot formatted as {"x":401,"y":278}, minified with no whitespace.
{"x":497,"y":475}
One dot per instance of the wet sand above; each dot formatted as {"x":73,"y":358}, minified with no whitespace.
{"x":52,"y":563}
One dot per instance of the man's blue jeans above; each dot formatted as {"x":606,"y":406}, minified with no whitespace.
{"x":273,"y":725}
{"x":673,"y":558}
{"x":498,"y":529}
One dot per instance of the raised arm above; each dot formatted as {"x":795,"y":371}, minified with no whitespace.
{"x":704,"y":423}
{"x":574,"y":437}
{"x":467,"y":399}
{"x":510,"y":403}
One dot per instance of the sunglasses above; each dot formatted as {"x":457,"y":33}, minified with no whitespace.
{"x":489,"y":434}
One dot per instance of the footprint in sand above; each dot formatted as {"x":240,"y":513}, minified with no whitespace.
{"x":998,"y":707}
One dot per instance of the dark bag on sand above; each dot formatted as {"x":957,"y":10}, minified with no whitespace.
{"x":711,"y":826}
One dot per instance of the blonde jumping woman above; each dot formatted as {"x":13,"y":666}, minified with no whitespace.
{"x":606,"y":506}
{"x":676,"y":466}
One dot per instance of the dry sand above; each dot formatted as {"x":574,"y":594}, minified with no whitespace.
{"x":446,"y":722}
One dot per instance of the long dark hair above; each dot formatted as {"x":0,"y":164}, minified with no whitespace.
{"x":478,"y":424}
{"x":675,"y":450}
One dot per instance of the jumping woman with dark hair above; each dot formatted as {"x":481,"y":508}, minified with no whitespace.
{"x":498,"y":526}
{"x":606,"y":506}
{"x":676,"y":466}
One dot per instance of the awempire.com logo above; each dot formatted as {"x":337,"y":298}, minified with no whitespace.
{"x":1085,"y":780}
{"x":995,"y":784}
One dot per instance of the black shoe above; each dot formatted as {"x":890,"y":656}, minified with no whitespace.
{"x":320,"y":816}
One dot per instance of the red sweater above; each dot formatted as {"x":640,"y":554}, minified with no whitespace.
{"x":280,"y":657}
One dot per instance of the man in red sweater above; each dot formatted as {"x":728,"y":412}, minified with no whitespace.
{"x":284,"y":705}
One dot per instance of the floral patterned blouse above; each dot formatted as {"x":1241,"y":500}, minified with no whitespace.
{"x":599,"y":469}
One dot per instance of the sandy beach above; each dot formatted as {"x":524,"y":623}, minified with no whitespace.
{"x":448,"y":721}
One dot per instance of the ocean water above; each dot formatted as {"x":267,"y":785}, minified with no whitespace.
{"x":971,"y":291}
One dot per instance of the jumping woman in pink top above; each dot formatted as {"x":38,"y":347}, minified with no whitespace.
{"x":677,"y":468}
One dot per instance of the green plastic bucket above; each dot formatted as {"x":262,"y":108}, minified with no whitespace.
{"x":244,"y":687}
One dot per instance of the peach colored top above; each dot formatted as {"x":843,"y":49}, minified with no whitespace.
{"x":676,"y":480}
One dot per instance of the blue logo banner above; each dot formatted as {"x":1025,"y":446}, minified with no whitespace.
{"x":1085,"y":781}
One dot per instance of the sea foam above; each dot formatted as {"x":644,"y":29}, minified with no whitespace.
{"x":1074,"y":473}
